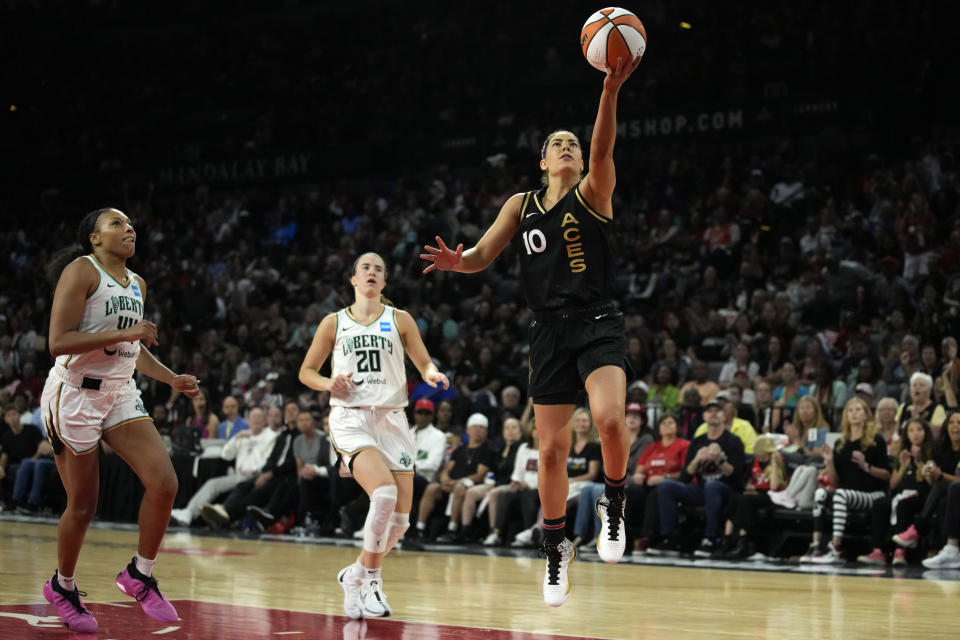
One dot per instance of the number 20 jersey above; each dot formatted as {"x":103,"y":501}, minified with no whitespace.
{"x":565,"y":257}
{"x":373,"y":356}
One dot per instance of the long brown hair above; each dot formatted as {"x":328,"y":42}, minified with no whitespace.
{"x":818,"y":420}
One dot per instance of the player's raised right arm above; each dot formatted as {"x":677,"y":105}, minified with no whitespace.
{"x":487,"y":249}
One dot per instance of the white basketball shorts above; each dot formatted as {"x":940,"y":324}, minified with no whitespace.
{"x":78,"y":416}
{"x":353,"y":429}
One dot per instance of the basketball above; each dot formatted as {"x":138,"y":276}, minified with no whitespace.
{"x":610,"y":34}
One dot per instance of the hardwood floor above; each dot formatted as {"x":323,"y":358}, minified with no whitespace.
{"x":230,"y":588}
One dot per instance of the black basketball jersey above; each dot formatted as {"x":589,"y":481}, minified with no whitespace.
{"x":565,"y":258}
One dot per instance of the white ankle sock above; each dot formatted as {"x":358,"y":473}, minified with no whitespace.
{"x":145,"y":566}
{"x":452,"y":526}
{"x":421,"y":526}
{"x":65,"y":583}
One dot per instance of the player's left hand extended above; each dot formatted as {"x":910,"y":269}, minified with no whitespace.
{"x":438,"y":379}
{"x":616,"y":77}
{"x":442,"y":257}
{"x":186,"y":384}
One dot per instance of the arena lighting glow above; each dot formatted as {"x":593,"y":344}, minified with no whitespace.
{"x":685,"y":25}
{"x":13,"y":107}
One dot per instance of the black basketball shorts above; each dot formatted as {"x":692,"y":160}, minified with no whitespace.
{"x":563,"y":352}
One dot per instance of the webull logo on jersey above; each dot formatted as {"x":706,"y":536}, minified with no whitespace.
{"x":136,"y":291}
{"x":384,"y":327}
{"x":116,"y":304}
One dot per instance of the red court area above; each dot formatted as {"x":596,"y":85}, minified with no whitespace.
{"x":210,"y":621}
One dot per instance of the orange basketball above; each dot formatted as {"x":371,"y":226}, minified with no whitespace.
{"x":611,"y":34}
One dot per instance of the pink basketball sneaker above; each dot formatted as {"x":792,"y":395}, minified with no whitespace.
{"x":145,"y":590}
{"x":75,"y":616}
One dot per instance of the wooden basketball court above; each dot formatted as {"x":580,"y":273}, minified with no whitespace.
{"x":229,"y":588}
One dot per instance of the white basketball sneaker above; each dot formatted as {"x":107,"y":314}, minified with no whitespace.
{"x":947,"y":558}
{"x":373,"y":602}
{"x":613,"y":533}
{"x":351,"y":593}
{"x":556,"y":580}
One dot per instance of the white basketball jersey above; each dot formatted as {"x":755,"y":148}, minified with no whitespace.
{"x":373,"y":353}
{"x":111,"y":306}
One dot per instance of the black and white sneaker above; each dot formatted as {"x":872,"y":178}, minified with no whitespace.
{"x":706,"y":549}
{"x":612,"y":540}
{"x":373,"y":602}
{"x":666,"y":546}
{"x":556,"y":579}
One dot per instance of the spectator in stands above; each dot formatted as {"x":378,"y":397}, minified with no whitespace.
{"x":769,"y":415}
{"x":949,"y":555}
{"x":280,"y":467}
{"x":25,"y":459}
{"x":673,"y":358}
{"x":467,"y":466}
{"x":521,"y":492}
{"x":887,"y":426}
{"x":249,"y":449}
{"x":584,"y":466}
{"x":921,"y":403}
{"x":767,"y":474}
{"x":502,"y":469}
{"x":640,"y":438}
{"x":909,"y":490}
{"x":715,"y":460}
{"x":291,"y":410}
{"x":431,"y":444}
{"x":740,"y":361}
{"x":661,"y":460}
{"x":950,"y":374}
{"x":807,"y":430}
{"x":829,"y":390}
{"x":663,"y":393}
{"x":861,"y":470}
{"x":790,"y":389}
{"x":202,"y":418}
{"x":315,"y":462}
{"x":865,"y":391}
{"x":742,"y":408}
{"x":690,"y":415}
{"x":510,"y":400}
{"x":737,"y":426}
{"x":706,"y":388}
{"x":232,"y":420}
{"x":944,"y":469}
{"x":773,"y":360}
{"x":270,"y":396}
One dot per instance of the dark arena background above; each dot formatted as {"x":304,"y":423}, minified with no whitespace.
{"x":786,"y":226}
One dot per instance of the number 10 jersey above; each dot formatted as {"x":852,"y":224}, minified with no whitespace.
{"x":565,"y":257}
{"x":372,"y":354}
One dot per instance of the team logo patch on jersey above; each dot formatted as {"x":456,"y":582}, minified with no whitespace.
{"x":384,"y":326}
{"x":405,"y":459}
{"x":136,"y":291}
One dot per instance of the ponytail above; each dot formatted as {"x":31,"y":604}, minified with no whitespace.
{"x":81,"y":246}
